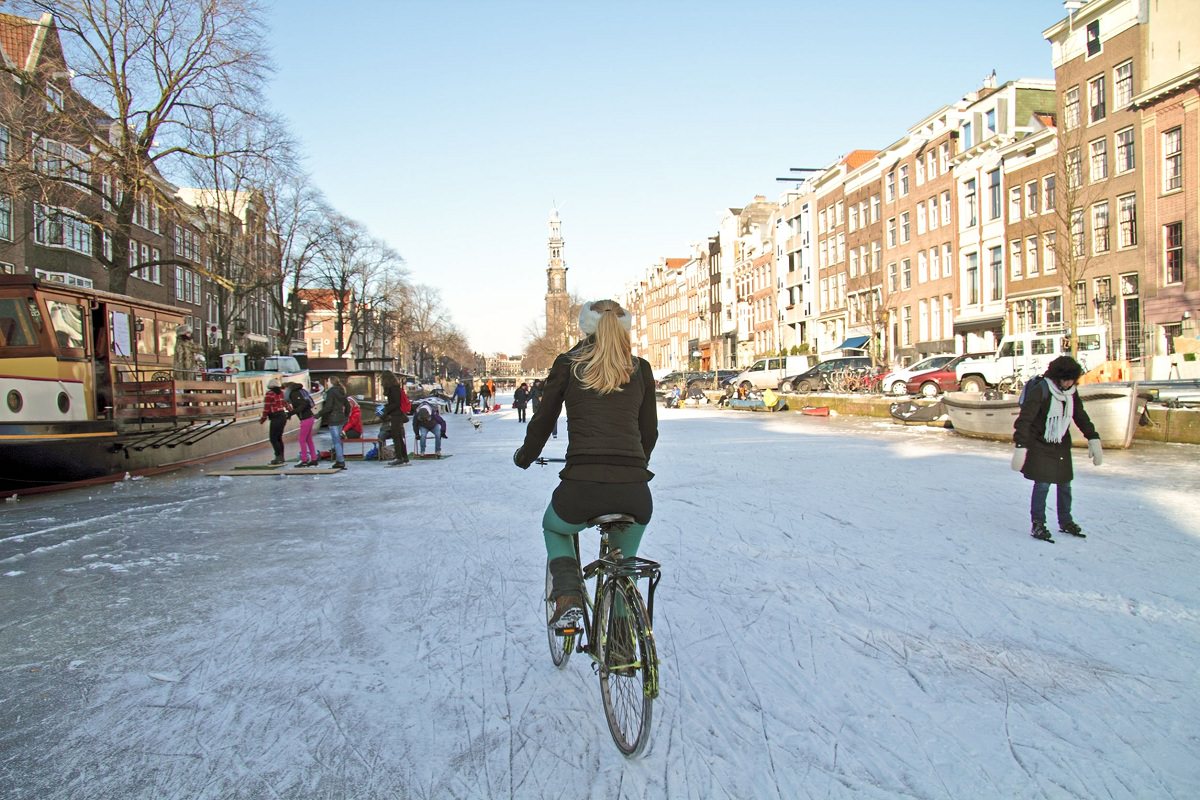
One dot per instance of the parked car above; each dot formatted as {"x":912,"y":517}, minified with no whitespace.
{"x":817,"y":378}
{"x":942,"y":379}
{"x":896,"y":381}
{"x":768,"y":372}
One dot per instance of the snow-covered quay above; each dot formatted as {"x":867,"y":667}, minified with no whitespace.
{"x":849,"y":609}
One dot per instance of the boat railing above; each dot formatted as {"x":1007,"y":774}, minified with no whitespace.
{"x":170,"y":400}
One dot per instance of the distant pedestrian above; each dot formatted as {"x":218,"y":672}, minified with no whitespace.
{"x":275,"y":409}
{"x":394,"y":417}
{"x":460,"y":397}
{"x":485,"y":395}
{"x":188,"y":359}
{"x":520,"y":400}
{"x":335,"y":410}
{"x":1042,"y":435}
{"x":302,"y":407}
{"x":535,"y":393}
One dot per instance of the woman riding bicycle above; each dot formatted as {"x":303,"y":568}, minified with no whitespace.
{"x":612,"y":425}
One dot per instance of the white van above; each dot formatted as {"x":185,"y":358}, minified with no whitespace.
{"x":1027,"y":354}
{"x":766,"y":373}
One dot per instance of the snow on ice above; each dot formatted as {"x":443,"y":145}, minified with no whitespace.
{"x":849,"y":609}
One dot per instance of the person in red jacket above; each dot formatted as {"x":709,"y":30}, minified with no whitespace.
{"x":353,"y":428}
{"x":275,"y":409}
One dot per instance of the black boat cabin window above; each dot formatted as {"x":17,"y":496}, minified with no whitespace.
{"x":20,"y":323}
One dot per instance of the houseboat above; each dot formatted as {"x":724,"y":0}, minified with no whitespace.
{"x":90,"y":392}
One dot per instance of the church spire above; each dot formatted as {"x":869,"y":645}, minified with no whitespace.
{"x":557,"y":301}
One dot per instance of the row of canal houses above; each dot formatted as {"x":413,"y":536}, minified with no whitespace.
{"x":196,"y":249}
{"x":1029,"y":204}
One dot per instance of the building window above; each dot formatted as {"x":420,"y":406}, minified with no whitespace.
{"x":969,"y":199}
{"x":1098,"y":159}
{"x":922,"y":267}
{"x":874,"y":208}
{"x":1014,"y":204}
{"x":1125,"y":157}
{"x":972,"y":275}
{"x":1071,"y":108}
{"x":1077,"y":243}
{"x":1100,"y":242}
{"x":933,"y":212}
{"x":891,"y":232}
{"x":1054,"y":311}
{"x":1048,"y":193}
{"x":935,"y":263}
{"x":1049,"y":262}
{"x":1031,"y":198}
{"x":905,"y":228}
{"x":889,"y":187}
{"x":996,"y":267}
{"x":946,"y":207}
{"x":57,"y":227}
{"x":3,"y":145}
{"x":1127,"y":220}
{"x":906,"y":273}
{"x":1074,"y":169}
{"x":1096,"y":105}
{"x":920,"y":218}
{"x":1172,"y":159}
{"x":892,"y":277}
{"x":944,"y":158}
{"x":1123,"y":84}
{"x":920,"y":171}
{"x":904,"y":180}
{"x":1093,"y":38}
{"x":947,"y":262}
{"x":54,"y":98}
{"x":989,"y":121}
{"x":1173,"y":252}
{"x":994,"y":208}
{"x":966,"y":136}
{"x":1031,"y":248}
{"x":1014,"y":258}
{"x":5,"y":217}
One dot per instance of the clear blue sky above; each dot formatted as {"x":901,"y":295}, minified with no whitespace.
{"x":452,"y":129}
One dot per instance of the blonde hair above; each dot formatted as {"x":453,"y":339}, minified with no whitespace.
{"x":605,"y":363}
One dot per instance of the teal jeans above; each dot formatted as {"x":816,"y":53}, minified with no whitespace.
{"x":559,"y":545}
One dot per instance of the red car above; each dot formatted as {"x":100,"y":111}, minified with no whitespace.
{"x":943,"y":379}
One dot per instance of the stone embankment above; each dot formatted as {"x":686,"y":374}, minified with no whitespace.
{"x":1179,"y":425}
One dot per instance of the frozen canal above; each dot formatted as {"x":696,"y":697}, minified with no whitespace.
{"x":849,"y":609}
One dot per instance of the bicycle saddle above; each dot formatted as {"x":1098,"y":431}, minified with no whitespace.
{"x":608,"y":519}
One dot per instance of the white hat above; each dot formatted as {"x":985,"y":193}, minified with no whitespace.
{"x":589,"y":318}
{"x":273,"y":383}
{"x":183,"y":330}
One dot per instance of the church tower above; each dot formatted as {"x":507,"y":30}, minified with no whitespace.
{"x":558,"y":303}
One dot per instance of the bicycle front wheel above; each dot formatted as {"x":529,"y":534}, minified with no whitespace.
{"x":628,"y":666}
{"x":560,"y":645}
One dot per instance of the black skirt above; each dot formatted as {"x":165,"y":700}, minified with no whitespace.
{"x":578,"y":501}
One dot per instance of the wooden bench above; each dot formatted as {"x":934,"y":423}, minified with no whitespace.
{"x":361,"y":449}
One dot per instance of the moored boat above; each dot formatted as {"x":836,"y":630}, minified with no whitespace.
{"x":90,"y":393}
{"x":1114,"y":409}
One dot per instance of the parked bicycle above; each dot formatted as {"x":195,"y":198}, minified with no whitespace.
{"x":617,"y":633}
{"x":1012,"y":384}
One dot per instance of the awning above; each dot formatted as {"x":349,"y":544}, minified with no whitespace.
{"x":853,"y":343}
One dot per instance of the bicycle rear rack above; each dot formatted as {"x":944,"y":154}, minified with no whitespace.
{"x":634,"y":567}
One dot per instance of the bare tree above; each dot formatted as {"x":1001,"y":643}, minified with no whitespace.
{"x":1072,"y":198}
{"x":142,"y":69}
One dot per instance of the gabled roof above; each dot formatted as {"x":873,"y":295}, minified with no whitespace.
{"x":676,"y":263}
{"x":856,"y":158}
{"x":17,"y":38}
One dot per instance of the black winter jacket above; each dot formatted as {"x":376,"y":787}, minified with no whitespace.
{"x":610,"y":436}
{"x":1047,"y":462}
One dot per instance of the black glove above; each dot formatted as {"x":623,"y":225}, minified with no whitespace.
{"x":520,"y":460}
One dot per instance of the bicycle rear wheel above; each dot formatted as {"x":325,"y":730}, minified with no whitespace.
{"x":629,"y":674}
{"x":561,"y":645}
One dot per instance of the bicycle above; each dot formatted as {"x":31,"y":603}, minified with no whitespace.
{"x":1012,"y":384}
{"x":627,"y":688}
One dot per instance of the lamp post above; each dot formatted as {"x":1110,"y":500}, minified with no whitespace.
{"x":1103,"y":303}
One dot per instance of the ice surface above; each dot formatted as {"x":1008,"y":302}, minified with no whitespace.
{"x":849,"y":609}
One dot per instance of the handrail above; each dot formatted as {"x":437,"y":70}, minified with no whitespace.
{"x":170,"y":400}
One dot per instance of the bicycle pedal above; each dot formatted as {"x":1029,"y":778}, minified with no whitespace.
{"x":566,"y":631}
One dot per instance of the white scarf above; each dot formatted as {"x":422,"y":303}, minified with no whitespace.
{"x":1058,"y":417}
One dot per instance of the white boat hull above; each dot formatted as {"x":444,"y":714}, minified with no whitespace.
{"x":1113,"y":409}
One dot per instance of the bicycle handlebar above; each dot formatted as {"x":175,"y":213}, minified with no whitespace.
{"x":543,"y":460}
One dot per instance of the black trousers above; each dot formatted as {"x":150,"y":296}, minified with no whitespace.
{"x":277,"y":423}
{"x":578,"y":501}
